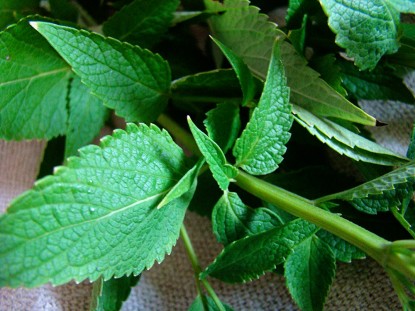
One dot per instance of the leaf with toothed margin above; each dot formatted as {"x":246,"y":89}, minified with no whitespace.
{"x":110,"y":295}
{"x":250,"y":257}
{"x":97,"y":216}
{"x":261,"y":147}
{"x":222,"y":171}
{"x":131,"y":80}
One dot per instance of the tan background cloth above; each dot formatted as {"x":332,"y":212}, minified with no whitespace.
{"x":361,"y":285}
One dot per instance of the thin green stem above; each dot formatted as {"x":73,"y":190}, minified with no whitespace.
{"x":181,"y":135}
{"x":191,"y":254}
{"x":367,"y":241}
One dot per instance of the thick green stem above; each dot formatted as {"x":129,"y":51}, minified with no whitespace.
{"x":191,"y":254}
{"x":370,"y":243}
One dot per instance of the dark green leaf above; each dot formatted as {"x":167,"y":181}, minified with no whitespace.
{"x":233,"y":220}
{"x":87,"y":115}
{"x":130,"y":80}
{"x":13,"y":10}
{"x":223,"y":124}
{"x":110,"y":295}
{"x":330,"y":72}
{"x":252,"y":256}
{"x":63,"y":10}
{"x":309,"y":272}
{"x":342,"y":250}
{"x":197,"y":305}
{"x":141,"y":22}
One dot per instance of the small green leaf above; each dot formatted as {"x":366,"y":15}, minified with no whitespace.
{"x":223,"y":124}
{"x":141,"y":22}
{"x":130,"y":80}
{"x":297,"y":36}
{"x":87,"y":115}
{"x":375,"y":26}
{"x":342,"y":250}
{"x":110,"y":295}
{"x":252,"y":256}
{"x":260,"y":148}
{"x":197,"y":304}
{"x":214,"y":156}
{"x":345,"y":141}
{"x":213,"y":86}
{"x":309,"y":272}
{"x":380,"y":194}
{"x":33,"y":86}
{"x":259,"y":35}
{"x":97,"y":216}
{"x":233,"y":220}
{"x":242,"y":72}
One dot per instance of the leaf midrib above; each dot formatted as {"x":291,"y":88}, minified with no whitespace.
{"x":38,"y":76}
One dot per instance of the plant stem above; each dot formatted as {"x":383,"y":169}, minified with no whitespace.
{"x":370,"y":243}
{"x":191,"y":254}
{"x":182,"y":136}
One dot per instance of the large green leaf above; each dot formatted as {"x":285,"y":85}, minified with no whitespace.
{"x":252,"y":256}
{"x":130,"y":80}
{"x":97,"y":216}
{"x":141,"y":22}
{"x":221,"y":170}
{"x":33,"y":86}
{"x":261,"y":146}
{"x":346,"y":142}
{"x":367,"y":30}
{"x":87,"y":114}
{"x":309,"y":272}
{"x":110,"y":295}
{"x":380,"y":194}
{"x":232,"y":219}
{"x":248,"y":33}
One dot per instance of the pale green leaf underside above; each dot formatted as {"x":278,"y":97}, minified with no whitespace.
{"x":252,"y":37}
{"x":223,"y":124}
{"x":130,"y":80}
{"x":345,"y":141}
{"x":97,"y":216}
{"x":110,"y":295}
{"x":87,"y":115}
{"x":33,"y":86}
{"x":233,"y":220}
{"x":222,"y":172}
{"x":404,"y":6}
{"x":252,"y":256}
{"x":141,"y":22}
{"x":261,"y":146}
{"x":366,"y":29}
{"x":309,"y":272}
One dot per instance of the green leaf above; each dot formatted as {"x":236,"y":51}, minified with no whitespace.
{"x":141,"y":22}
{"x":197,"y":304}
{"x":309,"y":272}
{"x":97,"y":216}
{"x":11,"y":10}
{"x":212,"y":86}
{"x":87,"y":115}
{"x":307,"y":90}
{"x":376,"y":84}
{"x":345,"y":141}
{"x":342,"y":250}
{"x":252,"y":256}
{"x":379,"y":194}
{"x":330,"y":72}
{"x":242,"y":72}
{"x":296,"y":11}
{"x":64,"y":10}
{"x":261,"y":146}
{"x":233,"y":220}
{"x":130,"y":80}
{"x":110,"y":295}
{"x":33,"y":86}
{"x":223,"y":124}
{"x":297,"y":36}
{"x":214,"y":156}
{"x":366,"y":30}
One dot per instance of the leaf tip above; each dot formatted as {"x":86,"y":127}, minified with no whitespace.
{"x":35,"y":25}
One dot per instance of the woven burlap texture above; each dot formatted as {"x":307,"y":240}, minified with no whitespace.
{"x":361,"y":285}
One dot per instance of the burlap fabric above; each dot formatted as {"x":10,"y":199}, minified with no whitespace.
{"x":361,"y":285}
